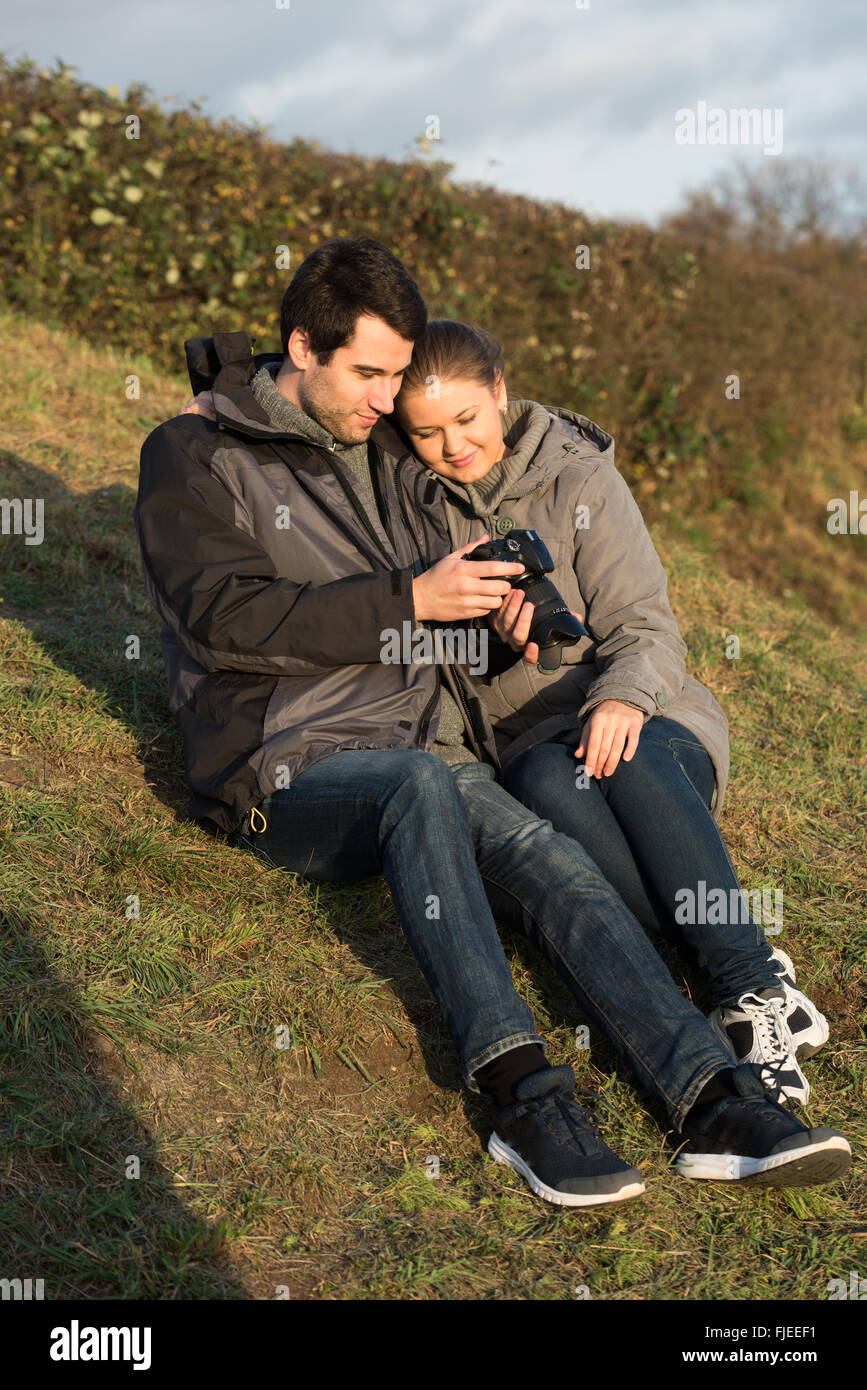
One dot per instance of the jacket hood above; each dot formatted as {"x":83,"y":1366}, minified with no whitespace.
{"x":569,"y":436}
{"x":225,"y":364}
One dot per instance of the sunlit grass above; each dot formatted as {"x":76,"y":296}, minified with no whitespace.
{"x":146,"y":970}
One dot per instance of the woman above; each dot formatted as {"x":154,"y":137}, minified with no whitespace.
{"x":643,"y":789}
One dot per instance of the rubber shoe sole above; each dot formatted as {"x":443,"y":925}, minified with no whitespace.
{"x":799,"y":1165}
{"x":501,"y":1152}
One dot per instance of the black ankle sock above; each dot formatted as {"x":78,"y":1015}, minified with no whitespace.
{"x":719,"y":1086}
{"x":498,"y":1079}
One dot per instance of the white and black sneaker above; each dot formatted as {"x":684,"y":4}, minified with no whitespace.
{"x":556,"y":1146}
{"x":809,"y":1028}
{"x":755,"y":1030}
{"x":746,"y":1137}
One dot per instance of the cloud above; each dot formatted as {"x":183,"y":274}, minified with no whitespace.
{"x":576,"y":105}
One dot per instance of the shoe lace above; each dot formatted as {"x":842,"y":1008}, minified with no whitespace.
{"x":775,"y":1041}
{"x":768,"y":1017}
{"x":566,"y":1116}
{"x":772,"y":1080}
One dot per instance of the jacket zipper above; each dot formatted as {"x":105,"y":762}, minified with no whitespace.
{"x":420,"y":550}
{"x":355,"y":504}
{"x":458,"y":695}
{"x":380,"y":492}
{"x":427,"y":712}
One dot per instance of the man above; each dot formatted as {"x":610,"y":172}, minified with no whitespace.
{"x":278,"y":553}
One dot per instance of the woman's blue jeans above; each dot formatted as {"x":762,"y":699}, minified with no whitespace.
{"x":453,"y":846}
{"x":649,"y":829}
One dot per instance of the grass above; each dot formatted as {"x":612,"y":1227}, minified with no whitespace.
{"x":148,"y":972}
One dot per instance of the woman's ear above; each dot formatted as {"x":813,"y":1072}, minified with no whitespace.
{"x":500,"y":391}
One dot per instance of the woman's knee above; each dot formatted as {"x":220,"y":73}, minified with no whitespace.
{"x":668,"y":759}
{"x":538,"y":766}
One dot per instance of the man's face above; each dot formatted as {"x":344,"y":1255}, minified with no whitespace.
{"x":360,"y":382}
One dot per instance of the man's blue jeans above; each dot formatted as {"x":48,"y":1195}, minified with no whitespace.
{"x":453,"y":845}
{"x":649,"y":829}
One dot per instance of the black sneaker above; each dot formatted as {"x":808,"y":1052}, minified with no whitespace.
{"x":547,"y":1138}
{"x":749,"y":1138}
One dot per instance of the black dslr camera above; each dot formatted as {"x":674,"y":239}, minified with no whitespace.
{"x":553,"y":626}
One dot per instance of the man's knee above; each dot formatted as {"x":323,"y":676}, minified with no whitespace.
{"x":423,"y":772}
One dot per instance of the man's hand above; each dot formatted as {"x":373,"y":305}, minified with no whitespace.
{"x":511,"y":622}
{"x":202,"y":404}
{"x":455,"y":589}
{"x":607,"y":728}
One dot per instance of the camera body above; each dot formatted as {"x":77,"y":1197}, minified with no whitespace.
{"x":553,"y":626}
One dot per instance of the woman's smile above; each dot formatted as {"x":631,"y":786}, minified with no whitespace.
{"x":459,"y":463}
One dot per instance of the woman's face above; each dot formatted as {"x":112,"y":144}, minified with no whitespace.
{"x":459,"y":433}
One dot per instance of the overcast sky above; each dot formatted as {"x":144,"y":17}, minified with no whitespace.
{"x":533,"y":96}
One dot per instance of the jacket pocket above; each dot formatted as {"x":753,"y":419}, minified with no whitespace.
{"x":564,"y":691}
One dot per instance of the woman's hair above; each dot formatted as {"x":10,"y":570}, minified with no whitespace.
{"x":448,"y":349}
{"x":339,"y":281}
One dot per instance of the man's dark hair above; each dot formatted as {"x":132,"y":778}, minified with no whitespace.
{"x":339,"y":281}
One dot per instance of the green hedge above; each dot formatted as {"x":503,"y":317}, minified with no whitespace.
{"x":141,"y":242}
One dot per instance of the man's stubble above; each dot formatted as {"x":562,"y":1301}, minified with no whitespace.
{"x":344,"y":425}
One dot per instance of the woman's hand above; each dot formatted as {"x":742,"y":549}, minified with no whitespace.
{"x":607,"y":728}
{"x":511,"y":622}
{"x":202,"y":404}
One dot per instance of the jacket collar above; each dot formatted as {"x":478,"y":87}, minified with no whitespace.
{"x":226,"y":364}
